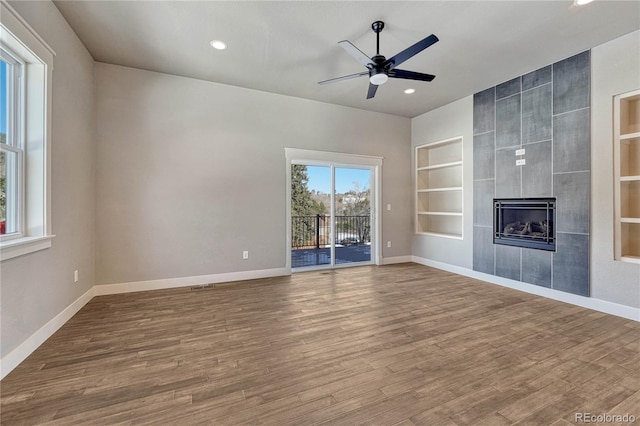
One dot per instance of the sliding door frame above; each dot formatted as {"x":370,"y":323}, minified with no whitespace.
{"x":336,"y":160}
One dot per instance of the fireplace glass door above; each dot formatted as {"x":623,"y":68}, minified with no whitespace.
{"x":525,"y":222}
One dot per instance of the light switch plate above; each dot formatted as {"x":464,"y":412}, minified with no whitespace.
{"x":520,"y":151}
{"x":520,"y":162}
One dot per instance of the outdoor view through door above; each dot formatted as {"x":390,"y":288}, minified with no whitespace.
{"x":330,"y":230}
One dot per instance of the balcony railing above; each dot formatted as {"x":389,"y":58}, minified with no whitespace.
{"x":315,"y":231}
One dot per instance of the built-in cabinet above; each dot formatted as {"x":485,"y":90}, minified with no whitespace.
{"x":439,"y":188}
{"x":627,"y":176}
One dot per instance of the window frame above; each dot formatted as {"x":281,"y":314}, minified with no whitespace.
{"x":18,"y":38}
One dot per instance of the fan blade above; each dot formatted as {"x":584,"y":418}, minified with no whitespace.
{"x":409,"y":52}
{"x":372,"y":90}
{"x":358,"y":54}
{"x":345,"y":77}
{"x":410,"y":75}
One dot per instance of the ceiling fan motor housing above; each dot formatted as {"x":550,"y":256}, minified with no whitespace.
{"x":378,"y":74}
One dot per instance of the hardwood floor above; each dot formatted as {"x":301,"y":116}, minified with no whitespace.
{"x":391,"y":345}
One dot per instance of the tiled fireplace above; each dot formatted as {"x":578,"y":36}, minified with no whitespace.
{"x":532,"y":141}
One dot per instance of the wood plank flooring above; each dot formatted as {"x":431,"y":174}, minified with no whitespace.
{"x":391,"y":345}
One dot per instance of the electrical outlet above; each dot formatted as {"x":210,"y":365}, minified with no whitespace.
{"x":245,"y":254}
{"x":520,"y":151}
{"x":75,"y":276}
{"x":521,"y":162}
{"x":388,"y":243}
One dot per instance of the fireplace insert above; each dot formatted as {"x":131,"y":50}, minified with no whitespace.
{"x":525,"y":222}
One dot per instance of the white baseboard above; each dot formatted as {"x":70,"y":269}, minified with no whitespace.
{"x":15,"y":357}
{"x":104,"y":289}
{"x":26,"y":348}
{"x":396,"y":259}
{"x":616,"y":309}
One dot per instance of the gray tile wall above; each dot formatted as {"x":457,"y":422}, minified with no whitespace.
{"x":571,"y":264}
{"x":508,"y":120}
{"x":536,"y":114}
{"x":484,"y":111}
{"x":483,"y":212}
{"x":536,"y":174}
{"x":484,"y":152}
{"x":536,"y":267}
{"x":483,"y":250}
{"x":508,"y":88}
{"x":508,"y":175}
{"x":508,"y":262}
{"x":571,"y":141}
{"x":484,"y":147}
{"x":546,"y":112}
{"x":537,"y":78}
{"x":571,"y":81}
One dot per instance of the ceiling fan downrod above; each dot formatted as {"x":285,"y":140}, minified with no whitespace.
{"x":378,"y":74}
{"x":377,"y":27}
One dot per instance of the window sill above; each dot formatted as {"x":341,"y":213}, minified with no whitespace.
{"x":21,"y":246}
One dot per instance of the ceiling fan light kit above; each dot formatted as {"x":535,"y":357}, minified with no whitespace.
{"x":380,"y":69}
{"x":378,"y":77}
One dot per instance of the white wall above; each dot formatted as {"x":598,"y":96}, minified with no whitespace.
{"x":191,"y":173}
{"x":615,"y":69}
{"x":36,"y":287}
{"x":449,"y":121}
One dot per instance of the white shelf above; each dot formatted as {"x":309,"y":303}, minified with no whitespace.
{"x":441,"y":234}
{"x":628,"y":136}
{"x":445,"y":214}
{"x":453,"y":188}
{"x":440,"y":166}
{"x":632,"y":259}
{"x":629,"y":178}
{"x":630,"y":219}
{"x":438,"y":189}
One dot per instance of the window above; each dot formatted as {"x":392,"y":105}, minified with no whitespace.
{"x":26,"y":65}
{"x":11,"y":146}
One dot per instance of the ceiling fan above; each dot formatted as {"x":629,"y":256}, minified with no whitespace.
{"x":379,"y":68}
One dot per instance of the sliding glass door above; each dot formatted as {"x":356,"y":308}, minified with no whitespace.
{"x":331,"y":215}
{"x":352,"y":215}
{"x":310,"y":215}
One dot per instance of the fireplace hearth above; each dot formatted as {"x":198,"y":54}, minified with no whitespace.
{"x":525,"y":222}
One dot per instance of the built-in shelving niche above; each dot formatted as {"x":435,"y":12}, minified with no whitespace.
{"x":627,"y":176}
{"x":439,"y":188}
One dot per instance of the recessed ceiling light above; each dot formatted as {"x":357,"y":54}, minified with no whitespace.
{"x":581,"y":2}
{"x":410,"y":91}
{"x":217,"y":44}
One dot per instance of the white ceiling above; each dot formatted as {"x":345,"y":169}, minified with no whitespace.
{"x":286,"y":47}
